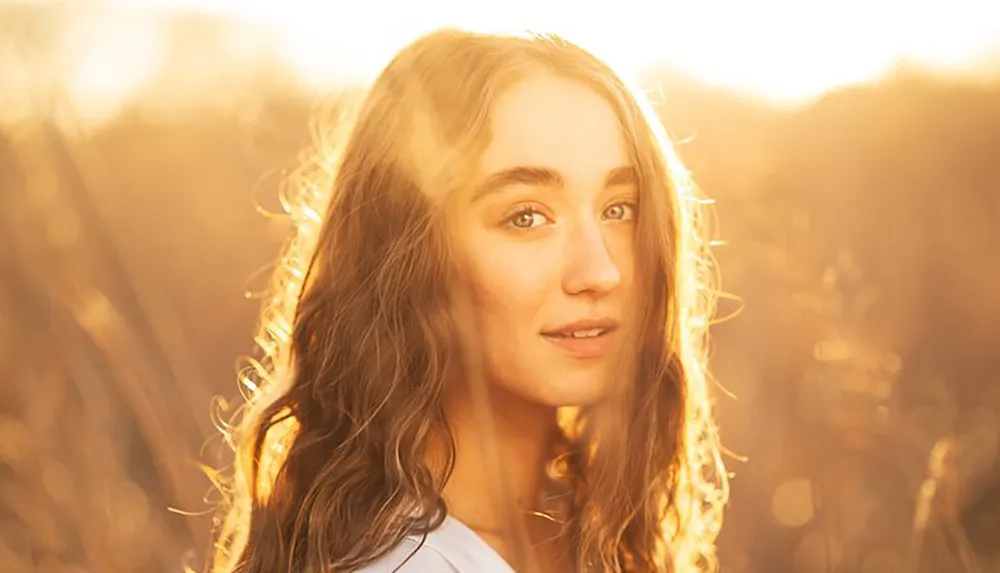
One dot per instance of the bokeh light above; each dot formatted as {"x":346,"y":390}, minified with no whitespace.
{"x":793,"y":503}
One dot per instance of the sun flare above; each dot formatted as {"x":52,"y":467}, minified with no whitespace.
{"x":786,"y":51}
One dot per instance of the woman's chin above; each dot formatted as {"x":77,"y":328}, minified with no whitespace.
{"x":576,"y":389}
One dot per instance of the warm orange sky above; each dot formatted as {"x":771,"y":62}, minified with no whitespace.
{"x":782,"y":49}
{"x":107,"y":54}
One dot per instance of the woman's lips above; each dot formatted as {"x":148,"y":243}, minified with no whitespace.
{"x":584,"y":346}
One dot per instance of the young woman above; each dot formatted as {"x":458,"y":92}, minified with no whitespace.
{"x":484,"y":352}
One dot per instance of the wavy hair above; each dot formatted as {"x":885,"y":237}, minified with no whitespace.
{"x":357,"y":337}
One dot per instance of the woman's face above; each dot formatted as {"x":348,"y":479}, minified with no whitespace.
{"x":548,"y":234}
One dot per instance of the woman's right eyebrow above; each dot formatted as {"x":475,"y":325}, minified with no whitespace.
{"x":518,"y":175}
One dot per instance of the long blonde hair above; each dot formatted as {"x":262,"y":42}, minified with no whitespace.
{"x":355,"y":340}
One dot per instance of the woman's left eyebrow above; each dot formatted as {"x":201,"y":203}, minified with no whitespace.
{"x":624,"y":175}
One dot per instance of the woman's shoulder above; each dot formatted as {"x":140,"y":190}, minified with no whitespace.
{"x":451,"y":548}
{"x":412,"y":556}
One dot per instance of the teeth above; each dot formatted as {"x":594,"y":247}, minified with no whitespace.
{"x":587,"y":333}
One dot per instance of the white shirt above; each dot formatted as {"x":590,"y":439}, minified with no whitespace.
{"x":451,"y":548}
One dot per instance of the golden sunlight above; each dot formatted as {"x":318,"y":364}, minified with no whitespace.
{"x":784,"y":50}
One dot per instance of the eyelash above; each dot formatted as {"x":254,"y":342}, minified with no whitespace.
{"x":626,"y":204}
{"x":530,"y":210}
{"x":521,"y":211}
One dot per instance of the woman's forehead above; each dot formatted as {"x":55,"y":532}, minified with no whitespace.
{"x":556,"y":123}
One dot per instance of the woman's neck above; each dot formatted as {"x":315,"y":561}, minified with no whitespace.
{"x":520,"y":441}
{"x":501,"y":472}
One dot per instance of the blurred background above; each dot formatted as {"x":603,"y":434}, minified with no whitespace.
{"x":853,"y":149}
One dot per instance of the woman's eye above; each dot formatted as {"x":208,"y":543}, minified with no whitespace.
{"x":620,"y":212}
{"x":526,"y":219}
